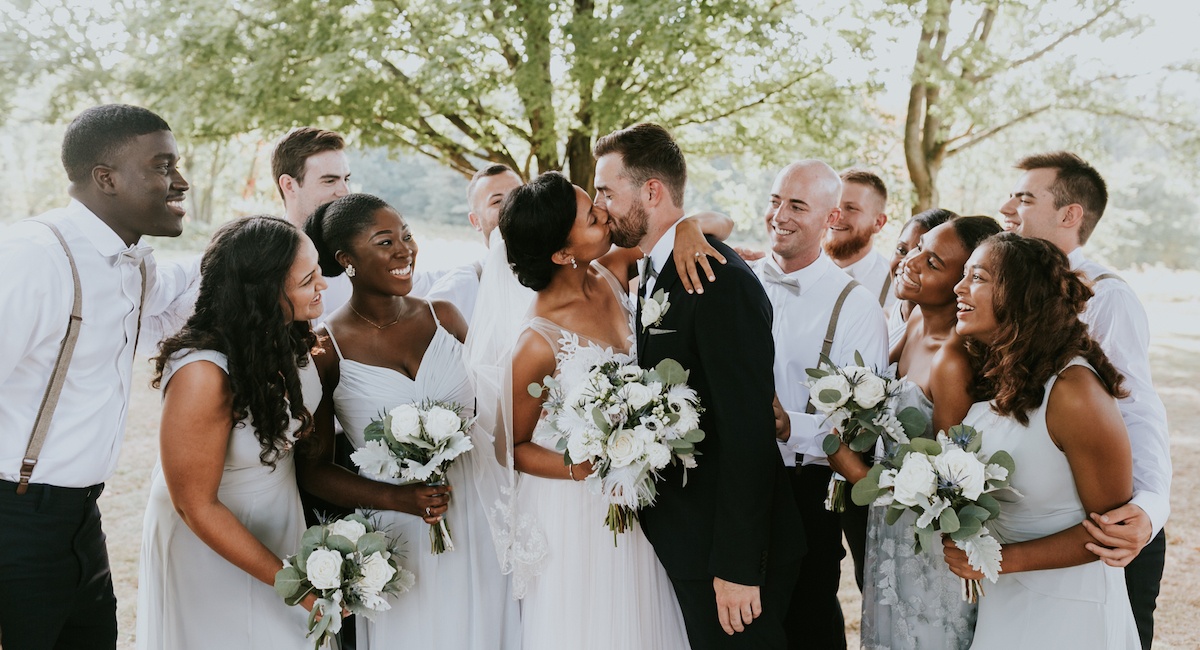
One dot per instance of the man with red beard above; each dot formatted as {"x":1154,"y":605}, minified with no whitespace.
{"x":847,"y":241}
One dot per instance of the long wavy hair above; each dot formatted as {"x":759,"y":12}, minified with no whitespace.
{"x":239,"y":314}
{"x":1037,"y":300}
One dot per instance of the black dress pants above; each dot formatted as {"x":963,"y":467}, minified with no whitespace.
{"x":1143,"y":577}
{"x":56,"y":590}
{"x":814,"y":620}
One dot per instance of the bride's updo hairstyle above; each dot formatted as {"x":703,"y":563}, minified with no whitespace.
{"x":1037,"y":300}
{"x":239,"y":313}
{"x":535,"y":220}
{"x":333,"y":225}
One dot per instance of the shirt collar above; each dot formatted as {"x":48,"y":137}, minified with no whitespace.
{"x":662,"y":250}
{"x":861,"y":267}
{"x":809,"y":275}
{"x":102,"y":237}
{"x":1076,"y":258}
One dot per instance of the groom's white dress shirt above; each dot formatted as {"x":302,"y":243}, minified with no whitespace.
{"x":801,"y":318}
{"x":872,"y":272}
{"x":659,"y":256}
{"x":84,"y":438}
{"x":1116,"y":319}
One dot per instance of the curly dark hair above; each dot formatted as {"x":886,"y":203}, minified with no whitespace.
{"x":333,"y":225}
{"x":535,"y":221}
{"x":1037,"y":300}
{"x":238,"y":313}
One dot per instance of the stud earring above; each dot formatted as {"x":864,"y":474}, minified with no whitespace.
{"x":573,"y":264}
{"x":349,"y":270}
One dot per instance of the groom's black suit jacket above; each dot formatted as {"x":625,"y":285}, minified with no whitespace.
{"x":736,"y":517}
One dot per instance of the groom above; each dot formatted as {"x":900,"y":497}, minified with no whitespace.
{"x":731,"y":538}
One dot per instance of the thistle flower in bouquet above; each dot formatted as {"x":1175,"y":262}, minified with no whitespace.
{"x":860,"y":403}
{"x":416,"y":442}
{"x":947,"y":482}
{"x":628,"y":422}
{"x":347,"y":563}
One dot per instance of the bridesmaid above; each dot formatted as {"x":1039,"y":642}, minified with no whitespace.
{"x":912,"y":601}
{"x":910,"y":235}
{"x":1051,"y":395}
{"x":238,"y":388}
{"x":385,"y":348}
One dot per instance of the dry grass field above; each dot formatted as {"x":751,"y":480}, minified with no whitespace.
{"x":1170,"y":299}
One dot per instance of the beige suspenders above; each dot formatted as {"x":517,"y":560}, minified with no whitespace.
{"x":827,"y":344}
{"x":883,"y":293}
{"x":1107,"y":276}
{"x":59,"y":377}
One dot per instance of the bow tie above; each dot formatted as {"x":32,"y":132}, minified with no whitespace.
{"x":132,"y":255}
{"x":775,"y":276}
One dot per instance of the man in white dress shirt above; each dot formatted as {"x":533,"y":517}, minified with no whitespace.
{"x":848,"y":241}
{"x":55,"y":585}
{"x":804,"y":286}
{"x":1060,"y":198}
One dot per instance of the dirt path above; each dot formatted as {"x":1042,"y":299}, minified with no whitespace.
{"x":1175,"y":356}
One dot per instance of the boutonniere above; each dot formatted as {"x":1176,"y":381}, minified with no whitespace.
{"x":654,"y":308}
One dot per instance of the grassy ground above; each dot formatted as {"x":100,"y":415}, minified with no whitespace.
{"x":1175,"y":356}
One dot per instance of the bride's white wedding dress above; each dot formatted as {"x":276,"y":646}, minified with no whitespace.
{"x":587,"y":592}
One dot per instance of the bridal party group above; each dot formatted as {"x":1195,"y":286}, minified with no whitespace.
{"x":616,"y":431}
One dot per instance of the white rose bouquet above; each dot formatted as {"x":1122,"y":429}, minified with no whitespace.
{"x":347,"y":563}
{"x":416,"y":442}
{"x":860,"y":404}
{"x":627,"y":421}
{"x":947,"y":483}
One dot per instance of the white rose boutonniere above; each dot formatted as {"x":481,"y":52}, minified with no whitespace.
{"x":654,"y":308}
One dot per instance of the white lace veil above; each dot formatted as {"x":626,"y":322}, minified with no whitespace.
{"x":500,"y":312}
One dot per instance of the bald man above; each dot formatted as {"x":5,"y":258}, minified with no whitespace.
{"x":808,"y":292}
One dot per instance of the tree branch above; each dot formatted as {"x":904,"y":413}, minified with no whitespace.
{"x":1033,"y":56}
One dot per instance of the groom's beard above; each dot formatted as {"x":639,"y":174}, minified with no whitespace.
{"x":844,"y":248}
{"x":628,"y":230}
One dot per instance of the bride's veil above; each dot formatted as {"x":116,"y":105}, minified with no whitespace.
{"x":500,"y":312}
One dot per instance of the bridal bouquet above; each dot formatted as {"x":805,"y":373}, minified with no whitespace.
{"x":627,"y":421}
{"x":946,"y":482}
{"x":348,"y":564}
{"x":860,"y":404}
{"x":416,"y":442}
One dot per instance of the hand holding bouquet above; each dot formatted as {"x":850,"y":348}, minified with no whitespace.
{"x":627,"y":421}
{"x":416,"y":443}
{"x":946,"y":482}
{"x":346,"y":563}
{"x":860,"y":404}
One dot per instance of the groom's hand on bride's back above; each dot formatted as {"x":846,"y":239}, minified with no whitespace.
{"x":737,"y":605}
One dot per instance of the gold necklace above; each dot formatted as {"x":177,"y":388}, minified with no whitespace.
{"x":371,"y":322}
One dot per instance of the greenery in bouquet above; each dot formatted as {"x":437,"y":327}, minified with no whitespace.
{"x":347,"y":563}
{"x":417,"y":443}
{"x":627,"y":421}
{"x":860,"y":403}
{"x":947,"y":482}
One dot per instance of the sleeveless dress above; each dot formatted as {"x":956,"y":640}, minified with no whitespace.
{"x":461,"y":599}
{"x":590,"y":593}
{"x":1085,"y":606}
{"x":910,"y":601}
{"x":191,"y":597}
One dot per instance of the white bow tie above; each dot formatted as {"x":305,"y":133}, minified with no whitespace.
{"x":775,"y":276}
{"x":132,"y":255}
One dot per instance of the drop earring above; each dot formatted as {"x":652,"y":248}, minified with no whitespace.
{"x":349,"y":270}
{"x":573,"y":264}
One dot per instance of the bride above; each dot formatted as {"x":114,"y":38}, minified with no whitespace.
{"x":583,"y":587}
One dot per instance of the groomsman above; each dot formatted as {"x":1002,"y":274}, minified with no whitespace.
{"x":817,"y":308}
{"x":82,"y":264}
{"x":848,"y":241}
{"x":1060,"y":198}
{"x":728,"y":538}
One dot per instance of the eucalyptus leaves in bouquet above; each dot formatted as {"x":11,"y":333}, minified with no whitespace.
{"x":417,"y":442}
{"x":947,"y":483}
{"x":348,"y":564}
{"x":860,"y":403}
{"x":627,"y":421}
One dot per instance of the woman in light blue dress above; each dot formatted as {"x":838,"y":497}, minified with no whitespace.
{"x":913,"y":601}
{"x":239,"y":387}
{"x":1051,"y":403}
{"x":385,"y":348}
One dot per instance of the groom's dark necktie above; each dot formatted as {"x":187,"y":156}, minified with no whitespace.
{"x":648,"y":273}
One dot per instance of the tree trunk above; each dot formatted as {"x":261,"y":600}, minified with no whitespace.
{"x":924,"y":140}
{"x":581,"y":165}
